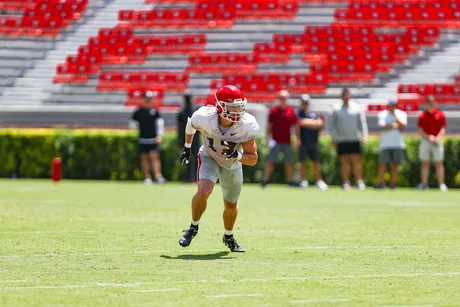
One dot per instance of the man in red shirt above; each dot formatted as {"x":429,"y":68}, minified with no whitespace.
{"x":432,"y":127}
{"x":281,"y":120}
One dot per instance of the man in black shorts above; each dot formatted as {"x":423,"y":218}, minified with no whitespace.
{"x":348,"y":130}
{"x":310,"y":124}
{"x":151,"y":130}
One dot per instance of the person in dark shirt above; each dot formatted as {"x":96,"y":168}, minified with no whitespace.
{"x":151,"y":130}
{"x":182,"y":119}
{"x":310,"y":124}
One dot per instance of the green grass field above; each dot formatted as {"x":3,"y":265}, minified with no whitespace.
{"x":115,"y":244}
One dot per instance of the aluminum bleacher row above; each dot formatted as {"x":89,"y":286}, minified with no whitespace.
{"x":437,"y":13}
{"x":367,"y":40}
{"x":31,"y":28}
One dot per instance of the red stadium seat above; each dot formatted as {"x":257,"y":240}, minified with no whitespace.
{"x":371,"y":37}
{"x":135,"y":96}
{"x":129,"y":79}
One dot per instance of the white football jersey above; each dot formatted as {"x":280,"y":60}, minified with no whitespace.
{"x":206,"y":121}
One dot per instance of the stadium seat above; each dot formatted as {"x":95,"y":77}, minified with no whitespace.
{"x":353,"y":49}
{"x":39,"y":17}
{"x":443,"y":92}
{"x":128,"y":79}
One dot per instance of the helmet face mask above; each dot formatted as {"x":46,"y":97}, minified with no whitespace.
{"x":230,"y":103}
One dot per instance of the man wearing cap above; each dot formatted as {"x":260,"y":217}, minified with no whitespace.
{"x":432,"y":127}
{"x":281,"y":120}
{"x":392,"y":123}
{"x":310,"y":124}
{"x":151,"y":130}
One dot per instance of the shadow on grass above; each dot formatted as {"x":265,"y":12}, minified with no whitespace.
{"x":214,"y":256}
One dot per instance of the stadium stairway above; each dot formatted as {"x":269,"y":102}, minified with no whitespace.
{"x":239,"y":38}
{"x":438,"y":66}
{"x":23,"y":45}
{"x":245,"y":33}
{"x":35,"y":85}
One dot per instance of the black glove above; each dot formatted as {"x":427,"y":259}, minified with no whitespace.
{"x":229,"y":151}
{"x":185,"y":155}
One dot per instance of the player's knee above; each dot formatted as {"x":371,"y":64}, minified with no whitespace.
{"x":231,"y":206}
{"x":204,"y":190}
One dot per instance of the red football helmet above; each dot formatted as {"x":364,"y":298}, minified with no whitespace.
{"x":230,"y":103}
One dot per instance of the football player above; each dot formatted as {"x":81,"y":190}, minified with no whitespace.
{"x":228,"y":142}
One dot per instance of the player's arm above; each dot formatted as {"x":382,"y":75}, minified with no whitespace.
{"x":189,"y":134}
{"x":249,"y":155}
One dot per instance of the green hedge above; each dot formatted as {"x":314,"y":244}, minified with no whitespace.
{"x":106,"y":154}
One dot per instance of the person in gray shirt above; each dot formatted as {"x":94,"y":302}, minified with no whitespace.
{"x":348,"y":130}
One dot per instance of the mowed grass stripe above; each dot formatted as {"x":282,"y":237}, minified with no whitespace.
{"x":115,"y":244}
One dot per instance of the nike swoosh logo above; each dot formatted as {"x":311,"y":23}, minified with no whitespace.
{"x":232,"y":134}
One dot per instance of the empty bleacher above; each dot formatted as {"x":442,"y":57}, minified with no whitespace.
{"x":261,"y":46}
{"x":29,"y":29}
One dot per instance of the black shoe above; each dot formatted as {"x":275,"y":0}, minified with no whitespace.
{"x":263,"y":184}
{"x":294,"y":184}
{"x":188,"y":236}
{"x":232,"y":244}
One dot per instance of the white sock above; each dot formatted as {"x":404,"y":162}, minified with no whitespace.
{"x":228,"y":232}
{"x":195,"y":223}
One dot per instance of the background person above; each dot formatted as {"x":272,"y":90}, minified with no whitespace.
{"x":281,"y":120}
{"x":348,"y":130}
{"x":310,"y":125}
{"x":392,"y":145}
{"x":432,"y":127}
{"x":151,"y":130}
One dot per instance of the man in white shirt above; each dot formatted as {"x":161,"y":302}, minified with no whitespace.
{"x":392,"y":123}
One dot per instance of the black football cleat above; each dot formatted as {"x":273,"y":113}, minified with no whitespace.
{"x":232,"y":244}
{"x":188,"y":236}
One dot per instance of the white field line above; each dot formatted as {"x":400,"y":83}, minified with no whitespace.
{"x":156,"y":290}
{"x":272,"y":231}
{"x":220,"y":250}
{"x":337,"y":300}
{"x":48,"y":232}
{"x":387,"y":202}
{"x":13,"y":281}
{"x":233,"y":295}
{"x":220,"y":281}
